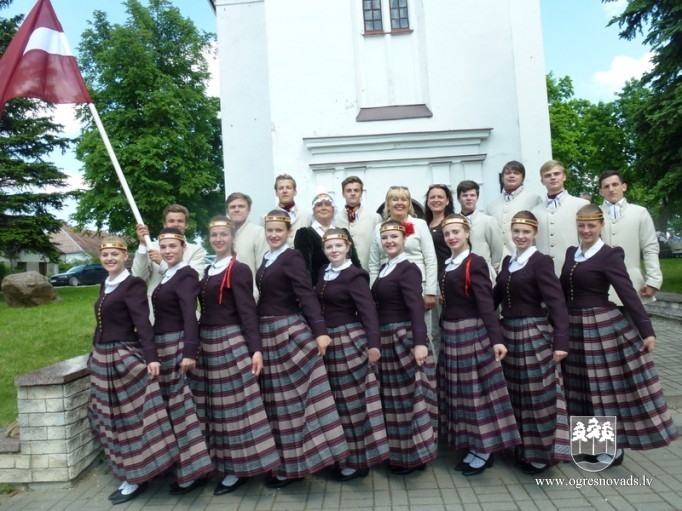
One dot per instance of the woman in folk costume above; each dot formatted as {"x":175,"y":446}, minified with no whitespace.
{"x":406,"y":367}
{"x":225,"y":380}
{"x":308,"y":240}
{"x":125,"y":398}
{"x":609,"y":370}
{"x":475,"y":410}
{"x":351,"y":318}
{"x":294,"y":385}
{"x":176,"y":331}
{"x":537,"y":340}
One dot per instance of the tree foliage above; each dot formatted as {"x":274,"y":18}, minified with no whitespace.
{"x":28,"y":183}
{"x":654,"y":104}
{"x":148,"y":80}
{"x":588,"y":138}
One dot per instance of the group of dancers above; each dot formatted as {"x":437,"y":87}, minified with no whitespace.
{"x":343,"y":374}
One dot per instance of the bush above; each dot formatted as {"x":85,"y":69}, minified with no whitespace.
{"x":4,"y":271}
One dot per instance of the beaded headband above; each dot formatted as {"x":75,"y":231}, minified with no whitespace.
{"x":527,"y":221}
{"x":171,"y":236}
{"x":221,"y":223}
{"x":114,"y":244}
{"x":454,"y":220}
{"x":335,"y":236}
{"x":586,"y":217}
{"x":392,"y":227}
{"x":278,"y":218}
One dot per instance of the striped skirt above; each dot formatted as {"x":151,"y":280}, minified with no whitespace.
{"x":535,"y":388}
{"x":127,"y":413}
{"x":194,"y":461}
{"x":356,"y":391}
{"x":408,"y":394}
{"x":474,"y":405}
{"x":605,"y":373}
{"x":229,"y":404}
{"x":298,"y":400}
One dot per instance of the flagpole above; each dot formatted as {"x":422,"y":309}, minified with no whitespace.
{"x":117,"y":168}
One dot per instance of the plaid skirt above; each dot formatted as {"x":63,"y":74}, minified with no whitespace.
{"x":127,"y":413}
{"x":536,"y":390}
{"x":297,"y":398}
{"x":358,"y":400}
{"x":605,"y":373}
{"x":229,"y":404}
{"x":194,"y":461}
{"x":408,"y":395}
{"x":474,"y":405}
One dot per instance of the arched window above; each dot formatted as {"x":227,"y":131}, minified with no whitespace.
{"x":372,"y":13}
{"x":399,"y":19}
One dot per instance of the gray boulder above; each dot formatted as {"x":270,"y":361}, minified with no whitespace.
{"x":27,"y":289}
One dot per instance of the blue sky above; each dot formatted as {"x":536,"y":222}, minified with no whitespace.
{"x":577,"y":43}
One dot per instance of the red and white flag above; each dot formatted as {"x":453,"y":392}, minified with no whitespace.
{"x":39,"y":62}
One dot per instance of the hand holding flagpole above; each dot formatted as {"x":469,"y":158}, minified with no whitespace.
{"x":39,"y":64}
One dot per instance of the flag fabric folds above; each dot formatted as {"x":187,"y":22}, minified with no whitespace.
{"x":39,"y":62}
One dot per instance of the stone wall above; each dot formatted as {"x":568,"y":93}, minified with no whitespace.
{"x":55,"y":443}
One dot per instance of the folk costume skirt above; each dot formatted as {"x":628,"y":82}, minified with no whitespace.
{"x":297,"y":398}
{"x":358,"y":400}
{"x":535,"y":388}
{"x":194,"y":461}
{"x":605,"y":373}
{"x":408,"y":394}
{"x":229,"y":404}
{"x":475,"y":409}
{"x":127,"y":413}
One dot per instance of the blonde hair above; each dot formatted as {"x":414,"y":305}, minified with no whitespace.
{"x":398,"y":190}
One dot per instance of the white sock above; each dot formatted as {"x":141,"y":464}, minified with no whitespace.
{"x":606,"y":458}
{"x":348,"y":471}
{"x":467,"y":459}
{"x":123,"y":485}
{"x":538,"y":465}
{"x":128,"y":488}
{"x":230,"y":480}
{"x":478,"y":459}
{"x":186,"y":485}
{"x":281,"y":478}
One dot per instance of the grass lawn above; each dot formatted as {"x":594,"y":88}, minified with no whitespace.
{"x":672,"y":275}
{"x":35,"y":337}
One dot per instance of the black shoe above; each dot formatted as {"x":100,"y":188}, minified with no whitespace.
{"x":114,"y":494}
{"x":223,"y":489}
{"x":403,"y":471}
{"x":275,"y":482}
{"x":462,"y":465}
{"x":119,"y":498}
{"x":176,"y":489}
{"x":618,"y":460}
{"x":590,"y":458}
{"x":533,"y":470}
{"x":471,"y":471}
{"x":339,"y":476}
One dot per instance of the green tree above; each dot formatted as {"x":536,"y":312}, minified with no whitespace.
{"x":586,"y":137}
{"x":148,"y":80}
{"x":28,"y":183}
{"x":655,"y":115}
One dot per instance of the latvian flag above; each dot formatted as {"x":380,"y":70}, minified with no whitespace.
{"x":39,"y":62}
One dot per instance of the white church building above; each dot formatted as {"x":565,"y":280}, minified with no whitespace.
{"x":398,"y":92}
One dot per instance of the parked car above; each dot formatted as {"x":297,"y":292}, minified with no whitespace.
{"x":78,"y":275}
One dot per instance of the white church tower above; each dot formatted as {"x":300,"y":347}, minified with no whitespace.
{"x":398,"y":92}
